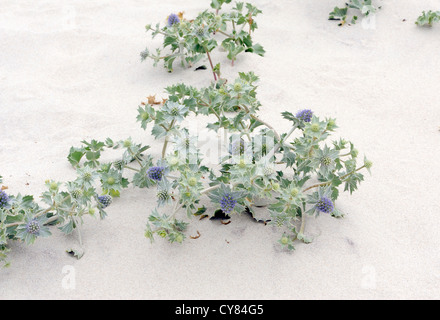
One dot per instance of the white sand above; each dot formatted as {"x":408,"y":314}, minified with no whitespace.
{"x":70,"y":70}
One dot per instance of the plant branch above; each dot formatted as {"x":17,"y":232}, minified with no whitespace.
{"x":267,"y":125}
{"x":212,"y":65}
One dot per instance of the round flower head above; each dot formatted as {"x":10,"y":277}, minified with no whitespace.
{"x":326,"y":161}
{"x":77,"y":193}
{"x":325,"y":205}
{"x":105,"y":201}
{"x":305,"y":115}
{"x":227,"y":203}
{"x":156,"y":173}
{"x":33,"y":227}
{"x":200,"y":32}
{"x":4,"y":199}
{"x":237,"y":147}
{"x":163,"y":195}
{"x":173,"y":19}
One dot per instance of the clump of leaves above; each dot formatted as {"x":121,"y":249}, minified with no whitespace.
{"x":365,"y":7}
{"x":297,"y":173}
{"x":298,"y":177}
{"x":189,"y":41}
{"x":428,"y":18}
{"x":67,"y":204}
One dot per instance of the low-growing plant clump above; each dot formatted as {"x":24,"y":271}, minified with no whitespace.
{"x":189,"y":41}
{"x":294,"y":174}
{"x":352,"y":10}
{"x":428,"y":18}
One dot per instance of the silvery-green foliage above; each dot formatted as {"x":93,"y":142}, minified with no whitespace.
{"x":189,"y":41}
{"x":65,"y":205}
{"x":297,"y":176}
{"x":363,"y":7}
{"x":428,"y":18}
{"x":297,"y":173}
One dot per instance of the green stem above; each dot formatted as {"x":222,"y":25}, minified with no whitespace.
{"x":78,"y":228}
{"x":225,"y":34}
{"x":205,"y":104}
{"x":134,"y":156}
{"x":167,"y":139}
{"x":38,"y":214}
{"x":303,"y":221}
{"x":130,"y":168}
{"x":207,"y":190}
{"x":165,"y":145}
{"x":329,"y":182}
{"x":267,"y":125}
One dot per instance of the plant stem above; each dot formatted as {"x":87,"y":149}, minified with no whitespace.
{"x":130,"y":168}
{"x":350,"y":173}
{"x":225,"y":34}
{"x":210,"y":189}
{"x":303,"y":221}
{"x":78,"y":228}
{"x":38,"y":215}
{"x":267,"y":125}
{"x":167,"y":139}
{"x":329,"y":182}
{"x":165,"y":145}
{"x":317,"y":186}
{"x":212,"y":65}
{"x":134,"y":156}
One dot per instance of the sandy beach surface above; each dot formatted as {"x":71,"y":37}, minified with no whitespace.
{"x":70,"y":70}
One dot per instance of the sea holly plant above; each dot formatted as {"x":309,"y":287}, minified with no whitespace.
{"x":65,"y":205}
{"x":295,"y":174}
{"x":428,"y":18}
{"x":364,"y":7}
{"x":244,"y":163}
{"x":189,"y":41}
{"x":298,"y":177}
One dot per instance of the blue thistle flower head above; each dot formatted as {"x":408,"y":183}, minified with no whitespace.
{"x":305,"y":115}
{"x":105,"y":201}
{"x":325,"y":205}
{"x":227,"y":203}
{"x":156,"y":173}
{"x":237,"y":147}
{"x":33,"y":227}
{"x":173,"y":19}
{"x":4,"y":199}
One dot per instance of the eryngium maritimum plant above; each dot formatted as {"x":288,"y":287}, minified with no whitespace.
{"x":297,"y":173}
{"x":190,"y":40}
{"x":297,"y":177}
{"x":428,"y":18}
{"x":364,"y":7}
{"x":66,"y":205}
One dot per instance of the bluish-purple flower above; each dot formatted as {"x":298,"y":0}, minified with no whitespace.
{"x":227,"y":203}
{"x":325,"y":205}
{"x":237,"y":147}
{"x":156,"y":173}
{"x":33,"y":227}
{"x":4,"y":199}
{"x":105,"y":201}
{"x":173,"y":19}
{"x":305,"y":115}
